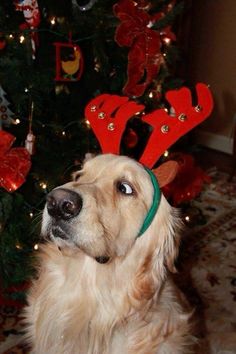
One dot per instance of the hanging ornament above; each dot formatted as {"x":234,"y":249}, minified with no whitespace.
{"x":32,"y":19}
{"x":136,"y":31}
{"x":83,"y":5}
{"x":69,"y":61}
{"x":2,"y":42}
{"x":131,"y":138}
{"x":30,"y":139}
{"x":14,"y":163}
{"x":6,"y":115}
{"x":30,"y":10}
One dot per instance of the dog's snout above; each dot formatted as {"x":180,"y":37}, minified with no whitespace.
{"x":64,"y":203}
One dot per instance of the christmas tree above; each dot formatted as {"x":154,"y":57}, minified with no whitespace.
{"x":54,"y":58}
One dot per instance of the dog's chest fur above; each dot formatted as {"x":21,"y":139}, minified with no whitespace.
{"x":73,"y":309}
{"x":70,"y":313}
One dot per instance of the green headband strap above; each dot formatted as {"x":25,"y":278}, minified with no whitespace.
{"x":155,"y":203}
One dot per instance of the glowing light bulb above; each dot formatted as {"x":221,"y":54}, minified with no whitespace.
{"x":166,"y":153}
{"x":187,"y":218}
{"x":31,"y":214}
{"x":167,"y":40}
{"x":11,"y":36}
{"x":150,"y":94}
{"x":63,"y":133}
{"x":36,"y":246}
{"x":97,"y":67}
{"x":17,"y":121}
{"x":53,"y":21}
{"x":22,"y":38}
{"x":87,"y":122}
{"x":43,"y":185}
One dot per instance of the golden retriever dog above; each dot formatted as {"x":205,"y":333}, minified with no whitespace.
{"x":103,"y":287}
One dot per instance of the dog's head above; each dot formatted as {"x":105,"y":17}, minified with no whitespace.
{"x":101,"y":212}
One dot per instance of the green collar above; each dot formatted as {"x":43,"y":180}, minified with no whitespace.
{"x":155,"y":203}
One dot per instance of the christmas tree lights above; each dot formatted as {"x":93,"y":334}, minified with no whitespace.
{"x":59,"y":135}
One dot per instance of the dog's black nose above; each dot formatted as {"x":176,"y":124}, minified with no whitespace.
{"x":63,"y":203}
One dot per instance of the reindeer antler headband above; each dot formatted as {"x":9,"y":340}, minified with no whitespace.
{"x":109,"y":114}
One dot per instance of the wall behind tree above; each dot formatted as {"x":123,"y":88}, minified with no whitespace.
{"x":212,"y":59}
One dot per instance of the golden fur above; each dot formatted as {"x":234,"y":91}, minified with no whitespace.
{"x":126,"y":306}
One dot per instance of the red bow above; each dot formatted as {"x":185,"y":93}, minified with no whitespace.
{"x":145,"y":55}
{"x":14,"y":163}
{"x":188,"y":182}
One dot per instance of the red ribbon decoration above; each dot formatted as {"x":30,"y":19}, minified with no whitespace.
{"x":145,"y":57}
{"x":14,"y":163}
{"x":189,"y":181}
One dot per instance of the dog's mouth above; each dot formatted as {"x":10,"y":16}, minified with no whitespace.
{"x":61,"y":236}
{"x":58,"y":232}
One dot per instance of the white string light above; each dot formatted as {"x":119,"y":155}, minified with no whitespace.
{"x":43,"y":185}
{"x":53,"y":21}
{"x":17,"y":121}
{"x":22,"y":38}
{"x":166,"y":153}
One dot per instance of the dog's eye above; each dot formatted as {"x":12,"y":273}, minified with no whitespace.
{"x":125,"y":188}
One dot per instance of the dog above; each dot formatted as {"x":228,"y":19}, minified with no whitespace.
{"x":102,"y":287}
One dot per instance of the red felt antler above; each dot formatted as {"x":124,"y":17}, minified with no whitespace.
{"x":167,"y":129}
{"x":108,"y":115}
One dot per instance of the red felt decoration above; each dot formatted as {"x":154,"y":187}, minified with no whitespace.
{"x":71,"y":69}
{"x":14,"y":163}
{"x":108,"y":115}
{"x":167,"y":129}
{"x":188,"y":182}
{"x":2,"y":44}
{"x":135,"y":31}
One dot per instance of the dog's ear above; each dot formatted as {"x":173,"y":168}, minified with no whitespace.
{"x":166,"y":172}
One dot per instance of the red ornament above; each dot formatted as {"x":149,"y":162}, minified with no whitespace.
{"x":109,"y":114}
{"x":14,"y":163}
{"x":2,"y":44}
{"x":31,"y":13}
{"x":30,"y":10}
{"x":189,"y":180}
{"x":71,"y":69}
{"x":131,"y":138}
{"x":145,"y":57}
